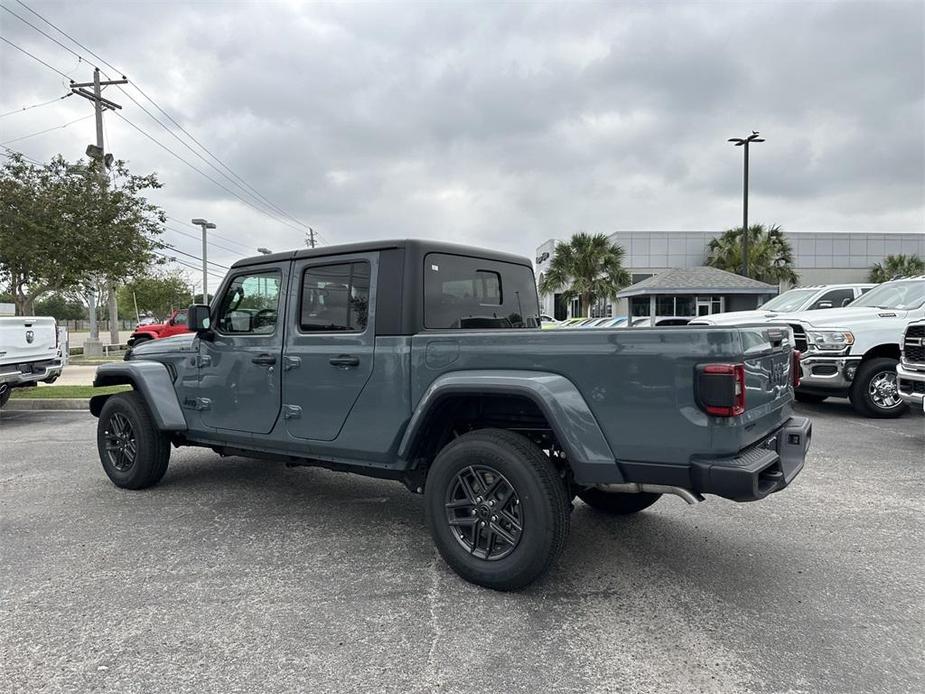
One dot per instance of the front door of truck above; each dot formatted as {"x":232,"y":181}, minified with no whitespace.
{"x":330,"y":342}
{"x":239,"y":368}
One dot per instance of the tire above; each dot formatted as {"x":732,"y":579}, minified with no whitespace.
{"x":5,"y":393}
{"x":125,"y":425}
{"x":617,"y":503}
{"x":877,"y":375}
{"x":809,"y":398}
{"x":134,"y":342}
{"x":515,"y":499}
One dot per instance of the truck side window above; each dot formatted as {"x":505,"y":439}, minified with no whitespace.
{"x":472,"y":293}
{"x":335,"y":298}
{"x":250,"y":305}
{"x":833,"y":299}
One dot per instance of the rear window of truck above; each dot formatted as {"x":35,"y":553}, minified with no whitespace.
{"x":463,"y":293}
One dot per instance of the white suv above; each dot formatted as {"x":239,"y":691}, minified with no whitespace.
{"x":812,"y":298}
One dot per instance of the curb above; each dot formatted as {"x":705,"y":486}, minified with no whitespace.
{"x":21,"y":404}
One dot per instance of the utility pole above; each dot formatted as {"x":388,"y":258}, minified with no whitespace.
{"x":739,"y":142}
{"x":93,"y":345}
{"x":310,"y":238}
{"x":205,"y":276}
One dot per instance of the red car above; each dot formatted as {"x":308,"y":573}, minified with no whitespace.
{"x":174,"y":325}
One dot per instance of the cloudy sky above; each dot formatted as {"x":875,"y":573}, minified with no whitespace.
{"x":499,"y":124}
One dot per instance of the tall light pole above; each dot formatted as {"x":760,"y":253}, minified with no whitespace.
{"x":199,"y":221}
{"x":739,"y":142}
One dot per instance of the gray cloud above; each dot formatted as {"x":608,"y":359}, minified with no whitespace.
{"x":507,"y":124}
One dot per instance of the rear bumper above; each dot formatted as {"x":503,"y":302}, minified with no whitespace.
{"x":752,"y":474}
{"x":911,"y":386}
{"x":33,"y":372}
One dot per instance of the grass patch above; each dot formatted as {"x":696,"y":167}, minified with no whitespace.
{"x":58,"y":392}
{"x":96,"y":361}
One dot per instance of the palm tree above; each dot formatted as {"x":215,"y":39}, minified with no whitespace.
{"x":589,"y":267}
{"x":897,"y":266}
{"x":770,"y":257}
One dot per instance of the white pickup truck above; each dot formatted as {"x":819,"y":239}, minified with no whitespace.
{"x":911,"y":371}
{"x":814,"y":298}
{"x":30,"y":351}
{"x":854,"y":351}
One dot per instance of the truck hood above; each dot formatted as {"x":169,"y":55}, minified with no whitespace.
{"x":851,"y":318}
{"x":741,"y":317}
{"x":175,"y":343}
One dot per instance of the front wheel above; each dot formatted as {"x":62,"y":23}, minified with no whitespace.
{"x":134,"y":453}
{"x":875,"y":390}
{"x":497,"y":509}
{"x":5,"y":392}
{"x":617,"y":503}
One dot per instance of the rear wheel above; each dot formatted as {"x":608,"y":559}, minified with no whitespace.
{"x":134,"y":453}
{"x":140,"y":339}
{"x":875,"y":390}
{"x":810,"y":398}
{"x":5,"y":392}
{"x":617,"y":503}
{"x":497,"y":509}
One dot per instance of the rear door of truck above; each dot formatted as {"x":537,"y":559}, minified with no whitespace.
{"x":27,"y":339}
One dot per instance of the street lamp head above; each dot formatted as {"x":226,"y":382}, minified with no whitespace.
{"x":739,"y":141}
{"x":199,"y":221}
{"x":264,"y":251}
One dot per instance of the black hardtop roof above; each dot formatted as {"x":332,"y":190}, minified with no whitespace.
{"x":420,"y":246}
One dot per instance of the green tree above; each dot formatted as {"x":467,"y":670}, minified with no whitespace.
{"x":770,"y":256}
{"x":589,"y":267}
{"x":63,"y":228}
{"x":156,"y":294}
{"x":896,"y":266}
{"x":60,"y":306}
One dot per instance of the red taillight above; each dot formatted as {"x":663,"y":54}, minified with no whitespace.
{"x":721,"y":389}
{"x":795,"y":368}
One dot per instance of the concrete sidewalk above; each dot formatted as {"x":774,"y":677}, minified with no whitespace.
{"x":74,"y":375}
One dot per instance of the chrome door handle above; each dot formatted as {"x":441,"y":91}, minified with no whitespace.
{"x":264,"y":360}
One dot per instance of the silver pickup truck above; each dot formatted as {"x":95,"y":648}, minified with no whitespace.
{"x":424,"y":363}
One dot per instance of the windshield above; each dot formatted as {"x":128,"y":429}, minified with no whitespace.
{"x":788,"y":301}
{"x":902,"y":296}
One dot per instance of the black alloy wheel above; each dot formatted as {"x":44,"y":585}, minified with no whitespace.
{"x":121,"y":446}
{"x":485,"y":512}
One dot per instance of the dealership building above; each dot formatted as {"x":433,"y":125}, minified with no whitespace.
{"x":820,"y":257}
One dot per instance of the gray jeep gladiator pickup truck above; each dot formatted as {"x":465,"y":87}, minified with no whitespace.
{"x":424,"y":362}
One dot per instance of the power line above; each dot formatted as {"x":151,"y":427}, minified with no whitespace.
{"x":35,"y":57}
{"x":44,"y":103}
{"x":240,"y":182}
{"x":211,"y":242}
{"x":61,"y":31}
{"x":13,"y":151}
{"x":188,"y":265}
{"x":47,"y":130}
{"x":198,"y":170}
{"x":52,"y":38}
{"x":196,"y":257}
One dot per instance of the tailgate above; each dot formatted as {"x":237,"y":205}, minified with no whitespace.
{"x":768,"y":357}
{"x":25,"y":339}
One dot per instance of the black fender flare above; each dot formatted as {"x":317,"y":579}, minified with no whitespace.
{"x":153,"y":381}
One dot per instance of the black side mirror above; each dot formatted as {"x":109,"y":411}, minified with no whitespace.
{"x":198,"y":318}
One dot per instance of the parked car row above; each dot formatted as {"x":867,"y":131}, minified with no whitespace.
{"x":853,"y":351}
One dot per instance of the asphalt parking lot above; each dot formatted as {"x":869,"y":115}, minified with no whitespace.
{"x":239,"y":575}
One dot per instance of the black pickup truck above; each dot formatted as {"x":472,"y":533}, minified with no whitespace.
{"x":423,"y":362}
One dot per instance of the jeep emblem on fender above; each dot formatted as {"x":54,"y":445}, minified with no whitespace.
{"x":30,"y":336}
